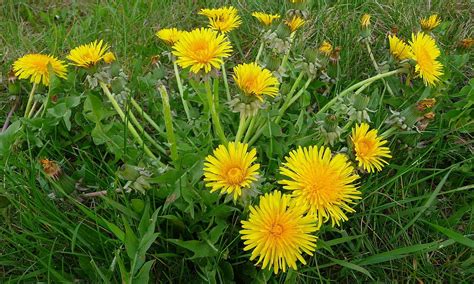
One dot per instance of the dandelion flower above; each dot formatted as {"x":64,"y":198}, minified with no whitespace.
{"x":370,"y":152}
{"x":256,"y":81}
{"x":230,"y":169}
{"x":430,"y":23}
{"x":264,"y":18}
{"x":170,"y":36}
{"x":467,"y":42}
{"x":365,"y":20}
{"x":88,"y":55}
{"x":278,"y":233}
{"x":399,"y":48}
{"x":51,"y":168}
{"x":326,"y":48}
{"x":297,"y":1}
{"x":425,"y":52}
{"x":223,"y":19}
{"x":295,"y":23}
{"x":201,"y":49}
{"x":35,"y":67}
{"x":109,"y":57}
{"x":324,"y":184}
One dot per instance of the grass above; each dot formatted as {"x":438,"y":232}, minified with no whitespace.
{"x":414,"y":223}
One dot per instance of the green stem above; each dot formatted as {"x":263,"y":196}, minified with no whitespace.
{"x":260,"y":50}
{"x":356,"y":86}
{"x":250,"y":128}
{"x":226,"y":84}
{"x":181,"y":90}
{"x":347,"y":126}
{"x":291,"y":99}
{"x":215,"y":117}
{"x":243,"y":123}
{"x":46,"y":103}
{"x":287,"y":54}
{"x":169,"y":123}
{"x":293,"y":88}
{"x":377,"y":68}
{"x":130,"y":127}
{"x":140,"y":128}
{"x":40,"y":110}
{"x":33,"y":108}
{"x":257,"y":133}
{"x":30,"y":101}
{"x":388,"y":132}
{"x":146,"y":116}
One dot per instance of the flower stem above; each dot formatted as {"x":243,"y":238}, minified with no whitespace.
{"x":181,"y":90}
{"x":46,"y":103}
{"x":259,"y":53}
{"x":243,"y":123}
{"x":30,"y":101}
{"x":291,"y":99}
{"x":257,"y":133}
{"x":250,"y":128}
{"x":356,"y":86}
{"x":285,"y":57}
{"x":146,"y":116}
{"x":215,"y":117}
{"x":377,"y":68}
{"x":168,"y":122}
{"x":130,"y":127}
{"x":140,"y":128}
{"x":388,"y":132}
{"x":226,"y":84}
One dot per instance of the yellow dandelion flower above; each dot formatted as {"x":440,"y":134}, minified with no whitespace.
{"x":370,"y":152}
{"x":295,"y":23}
{"x":256,"y":81}
{"x":296,"y":1}
{"x":223,"y":19}
{"x":399,"y":48}
{"x":88,"y":55}
{"x":326,"y":48}
{"x":324,"y":184}
{"x":264,"y":18}
{"x":109,"y":57}
{"x":430,"y":23}
{"x":230,"y":169}
{"x":170,"y":36}
{"x":278,"y":233}
{"x":35,"y":67}
{"x":365,"y":20}
{"x":201,"y":49}
{"x":425,"y":52}
{"x":467,"y":42}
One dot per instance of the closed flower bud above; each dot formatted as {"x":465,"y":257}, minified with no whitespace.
{"x":425,"y":104}
{"x":429,"y":115}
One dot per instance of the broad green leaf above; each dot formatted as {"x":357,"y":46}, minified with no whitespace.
{"x":131,"y":240}
{"x":199,"y":248}
{"x":143,"y":276}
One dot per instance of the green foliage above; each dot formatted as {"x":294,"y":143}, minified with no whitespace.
{"x":117,"y":216}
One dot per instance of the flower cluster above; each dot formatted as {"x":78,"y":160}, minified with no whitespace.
{"x":314,"y":185}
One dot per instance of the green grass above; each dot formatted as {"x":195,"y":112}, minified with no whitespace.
{"x":414,"y":223}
